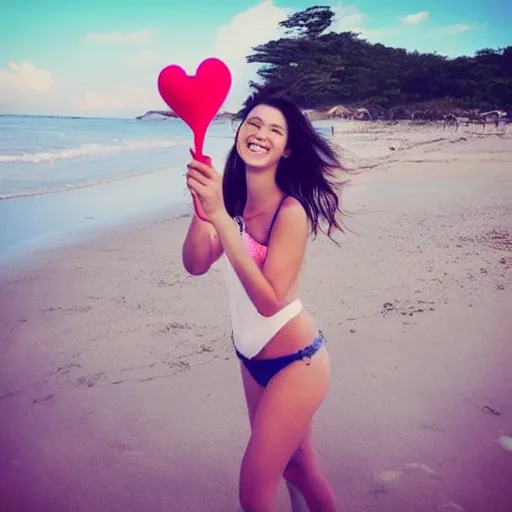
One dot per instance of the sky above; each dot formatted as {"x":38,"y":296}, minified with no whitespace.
{"x":102,"y":58}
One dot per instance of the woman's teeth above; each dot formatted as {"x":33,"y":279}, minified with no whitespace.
{"x":256,"y":148}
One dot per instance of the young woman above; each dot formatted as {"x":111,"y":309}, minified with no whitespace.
{"x":278,"y":187}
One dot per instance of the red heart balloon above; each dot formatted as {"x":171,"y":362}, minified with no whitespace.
{"x":196,"y":99}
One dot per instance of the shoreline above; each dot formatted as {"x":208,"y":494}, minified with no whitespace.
{"x":54,"y":216}
{"x":350,"y":136}
{"x":49,"y":221}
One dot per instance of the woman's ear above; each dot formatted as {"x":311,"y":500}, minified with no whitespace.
{"x":287,"y":153}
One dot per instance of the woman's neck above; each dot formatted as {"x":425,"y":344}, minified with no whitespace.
{"x":262,"y":192}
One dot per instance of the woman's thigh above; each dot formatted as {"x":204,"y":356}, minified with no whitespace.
{"x":283,"y":415}
{"x":253,"y":392}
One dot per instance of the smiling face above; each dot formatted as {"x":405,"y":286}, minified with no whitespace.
{"x":262,"y":138}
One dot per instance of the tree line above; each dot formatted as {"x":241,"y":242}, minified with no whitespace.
{"x":319,"y":68}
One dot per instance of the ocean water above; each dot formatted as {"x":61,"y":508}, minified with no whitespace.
{"x":47,"y":154}
{"x":60,"y":175}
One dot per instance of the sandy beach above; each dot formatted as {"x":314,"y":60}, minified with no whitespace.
{"x":120,"y":391}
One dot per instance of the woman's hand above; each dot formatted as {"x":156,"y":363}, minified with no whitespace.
{"x":205,"y":185}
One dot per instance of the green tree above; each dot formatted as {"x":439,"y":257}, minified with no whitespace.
{"x":319,"y":68}
{"x":310,"y":22}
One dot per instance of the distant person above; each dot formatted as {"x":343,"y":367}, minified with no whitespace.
{"x":277,"y":187}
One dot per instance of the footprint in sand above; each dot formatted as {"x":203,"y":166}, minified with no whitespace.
{"x":47,"y":398}
{"x":391,"y":475}
{"x":388,"y":477}
{"x":450,"y":506}
{"x":505,"y":442}
{"x":423,"y":467}
{"x":89,"y":380}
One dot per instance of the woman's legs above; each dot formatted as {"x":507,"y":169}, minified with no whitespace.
{"x":281,"y":417}
{"x":304,"y":472}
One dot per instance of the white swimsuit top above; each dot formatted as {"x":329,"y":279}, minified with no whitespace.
{"x":251,"y":330}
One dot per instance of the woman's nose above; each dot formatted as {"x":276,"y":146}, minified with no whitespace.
{"x":262,"y":132}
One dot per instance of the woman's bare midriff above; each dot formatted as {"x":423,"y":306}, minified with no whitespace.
{"x":298,"y":333}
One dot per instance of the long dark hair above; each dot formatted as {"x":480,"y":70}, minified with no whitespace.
{"x":309,"y":174}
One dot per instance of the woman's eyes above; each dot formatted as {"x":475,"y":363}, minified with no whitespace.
{"x":258,"y":126}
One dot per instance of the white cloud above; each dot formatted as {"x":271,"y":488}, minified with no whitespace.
{"x":375,"y":35}
{"x":24,"y":76}
{"x":458,"y":28}
{"x":141,"y":58}
{"x":25,"y":88}
{"x":414,"y":19}
{"x":118,"y":37}
{"x":234,"y":41}
{"x":118,"y":101}
{"x":93,"y":101}
{"x":348,"y":18}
